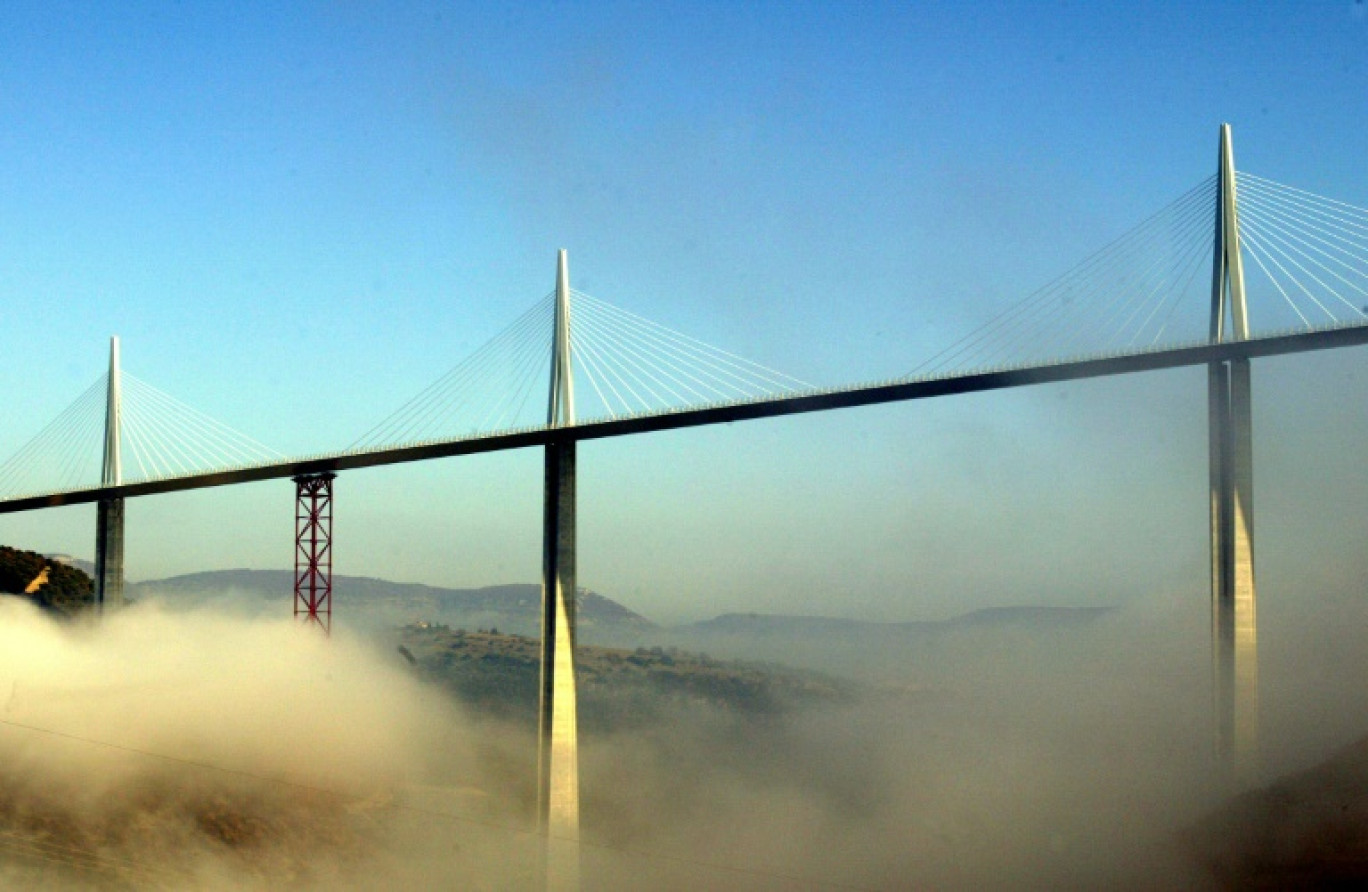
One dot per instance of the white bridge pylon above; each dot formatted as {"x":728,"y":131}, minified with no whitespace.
{"x":1234,"y":627}
{"x":558,"y":811}
{"x":1306,"y":268}
{"x":126,"y":431}
{"x":623,"y":364}
{"x":123,"y":430}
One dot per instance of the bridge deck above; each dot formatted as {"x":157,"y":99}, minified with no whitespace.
{"x":794,"y":404}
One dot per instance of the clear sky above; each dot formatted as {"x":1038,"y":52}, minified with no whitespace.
{"x":297,"y":215}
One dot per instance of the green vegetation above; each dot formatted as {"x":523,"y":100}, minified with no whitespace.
{"x":617,"y":688}
{"x":67,"y":591}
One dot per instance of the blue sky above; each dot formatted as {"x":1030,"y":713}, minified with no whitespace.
{"x":297,"y":215}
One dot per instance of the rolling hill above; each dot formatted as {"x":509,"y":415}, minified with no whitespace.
{"x":513,"y":607}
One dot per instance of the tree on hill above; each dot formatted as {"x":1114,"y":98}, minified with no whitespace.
{"x":66,"y":592}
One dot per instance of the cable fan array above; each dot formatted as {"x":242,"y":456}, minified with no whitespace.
{"x":1312,"y":250}
{"x":1129,"y":295}
{"x":488,"y":390}
{"x":1306,"y":266}
{"x":160,"y":437}
{"x":636,"y":366}
{"x":163,"y":437}
{"x":64,"y":455}
{"x":624,"y":365}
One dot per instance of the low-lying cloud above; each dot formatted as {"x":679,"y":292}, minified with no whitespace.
{"x":197,"y":749}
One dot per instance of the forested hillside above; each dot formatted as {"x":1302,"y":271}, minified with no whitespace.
{"x":52,"y":585}
{"x":617,"y":688}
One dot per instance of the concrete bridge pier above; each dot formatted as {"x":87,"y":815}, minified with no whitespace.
{"x":1234,"y":628}
{"x":1235,"y":643}
{"x":109,"y":553}
{"x":109,"y":516}
{"x":558,"y":731}
{"x":558,"y":750}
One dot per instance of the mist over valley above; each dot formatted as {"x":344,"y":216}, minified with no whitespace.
{"x":199,"y":738}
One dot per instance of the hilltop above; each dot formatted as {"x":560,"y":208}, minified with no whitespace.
{"x":796,"y":626}
{"x":512,"y":607}
{"x":515,"y":607}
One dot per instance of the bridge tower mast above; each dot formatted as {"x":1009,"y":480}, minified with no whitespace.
{"x":558,"y":735}
{"x":109,"y":516}
{"x":1233,"y":623}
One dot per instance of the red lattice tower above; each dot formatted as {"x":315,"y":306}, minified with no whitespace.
{"x":313,"y":549}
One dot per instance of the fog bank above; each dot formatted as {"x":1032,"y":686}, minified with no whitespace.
{"x":202,"y":750}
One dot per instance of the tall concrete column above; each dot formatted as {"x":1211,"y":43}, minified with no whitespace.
{"x":1222,"y":614}
{"x":109,"y":516}
{"x":1234,"y":617}
{"x":558,"y":734}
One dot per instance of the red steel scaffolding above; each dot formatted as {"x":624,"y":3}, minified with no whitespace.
{"x":313,"y":549}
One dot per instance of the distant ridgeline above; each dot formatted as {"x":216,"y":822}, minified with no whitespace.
{"x":52,"y":585}
{"x":513,"y":608}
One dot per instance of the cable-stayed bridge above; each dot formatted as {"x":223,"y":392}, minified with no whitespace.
{"x":181,"y":473}
{"x":1137,"y":304}
{"x":1237,"y":268}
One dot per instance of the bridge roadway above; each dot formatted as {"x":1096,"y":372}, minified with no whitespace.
{"x":793,"y":404}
